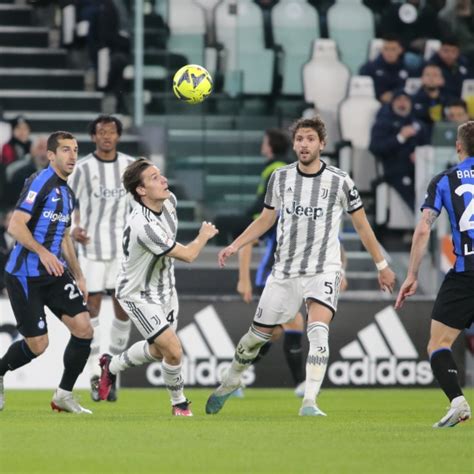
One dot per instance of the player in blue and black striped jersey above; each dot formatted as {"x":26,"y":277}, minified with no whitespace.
{"x":454,"y":306}
{"x":43,"y":271}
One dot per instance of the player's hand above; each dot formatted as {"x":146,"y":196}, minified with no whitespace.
{"x":208,"y":230}
{"x":81,"y":284}
{"x":244,"y":288}
{"x":408,"y":131}
{"x":80,"y":235}
{"x":51,"y":263}
{"x":225,"y":254}
{"x":344,"y":284}
{"x":387,"y":279}
{"x":408,"y":288}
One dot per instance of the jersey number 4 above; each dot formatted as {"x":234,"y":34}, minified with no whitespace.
{"x":126,"y":241}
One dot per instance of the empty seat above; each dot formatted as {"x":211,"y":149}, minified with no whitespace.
{"x":467,"y":94}
{"x":356,"y":117}
{"x":375,"y":48}
{"x":248,"y":66}
{"x":295,"y":26}
{"x":431,"y":47}
{"x":351,"y":25}
{"x":187,"y":30}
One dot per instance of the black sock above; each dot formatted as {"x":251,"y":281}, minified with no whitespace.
{"x":18,"y":355}
{"x":75,"y":358}
{"x":263,"y":350}
{"x":446,"y":373}
{"x":293,"y":351}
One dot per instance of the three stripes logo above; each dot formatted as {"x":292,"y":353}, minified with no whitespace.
{"x":208,"y":351}
{"x":382,"y":353}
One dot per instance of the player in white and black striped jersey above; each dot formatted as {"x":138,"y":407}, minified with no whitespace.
{"x":309,"y":198}
{"x":146,"y":283}
{"x":103,"y":206}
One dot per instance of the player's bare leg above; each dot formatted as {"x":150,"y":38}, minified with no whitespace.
{"x":319,"y":317}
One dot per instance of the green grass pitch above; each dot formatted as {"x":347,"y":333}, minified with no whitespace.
{"x":366,"y":431}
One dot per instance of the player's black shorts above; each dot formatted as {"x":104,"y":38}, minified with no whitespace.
{"x":29,"y":296}
{"x":454,"y":305}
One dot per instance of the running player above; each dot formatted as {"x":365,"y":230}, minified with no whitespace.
{"x":146,"y":283}
{"x":43,"y":271}
{"x":309,"y":198}
{"x":454,"y":306}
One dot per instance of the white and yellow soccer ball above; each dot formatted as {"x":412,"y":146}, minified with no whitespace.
{"x":192,"y":84}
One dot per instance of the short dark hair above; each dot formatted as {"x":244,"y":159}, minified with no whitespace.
{"x":132,"y":176}
{"x":53,"y":139}
{"x":455,"y":102}
{"x":278,"y":141}
{"x":466,"y":137}
{"x":105,"y":119}
{"x":390,"y":37}
{"x":450,"y":40}
{"x":315,"y":123}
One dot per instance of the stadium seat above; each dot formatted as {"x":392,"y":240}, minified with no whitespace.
{"x":187,"y":30}
{"x":375,"y":47}
{"x":391,"y":210}
{"x":431,"y":47}
{"x":351,"y":25}
{"x":356,"y":116}
{"x":295,"y":26}
{"x":467,"y":93}
{"x":248,"y":66}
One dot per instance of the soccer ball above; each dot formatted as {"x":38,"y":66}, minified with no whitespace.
{"x":192,"y":84}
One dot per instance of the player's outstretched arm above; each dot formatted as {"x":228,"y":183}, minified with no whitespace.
{"x":189,"y":253}
{"x":421,"y":236}
{"x":18,"y":229}
{"x":386,"y":277}
{"x":255,"y":230}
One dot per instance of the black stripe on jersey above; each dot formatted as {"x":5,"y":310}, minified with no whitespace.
{"x":140,"y":316}
{"x":151,"y":339}
{"x":268,"y":207}
{"x":356,"y":209}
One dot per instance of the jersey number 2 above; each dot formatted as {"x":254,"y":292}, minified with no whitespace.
{"x":466,"y":222}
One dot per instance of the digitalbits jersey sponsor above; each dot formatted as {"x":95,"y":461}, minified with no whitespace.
{"x":310,"y":208}
{"x":103,"y":202}
{"x":147,"y":273}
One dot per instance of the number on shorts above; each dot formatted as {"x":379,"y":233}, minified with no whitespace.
{"x":73,"y":291}
{"x":330,"y":289}
{"x":170,"y":317}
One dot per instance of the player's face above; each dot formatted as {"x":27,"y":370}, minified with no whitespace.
{"x":65,"y":158}
{"x":106,"y":137}
{"x":154,"y":184}
{"x":307,"y":145}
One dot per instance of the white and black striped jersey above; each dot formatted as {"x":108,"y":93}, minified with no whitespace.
{"x":310,"y":211}
{"x":103,"y":204}
{"x":147,"y":273}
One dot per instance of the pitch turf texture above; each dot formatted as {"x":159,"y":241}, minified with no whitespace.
{"x":366,"y":431}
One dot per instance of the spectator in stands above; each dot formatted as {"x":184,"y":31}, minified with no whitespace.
{"x":19,"y":144}
{"x":455,"y":68}
{"x":460,"y":20}
{"x":430,"y":100}
{"x":274,"y":148}
{"x":414,"y":24}
{"x":395,"y":135}
{"x":387,"y":70}
{"x":456,"y":111}
{"x":19,"y":171}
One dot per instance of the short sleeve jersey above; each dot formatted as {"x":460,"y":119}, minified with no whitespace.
{"x":103,"y":202}
{"x":310,"y":211}
{"x":453,"y":189}
{"x":50,"y":201}
{"x":147,"y":273}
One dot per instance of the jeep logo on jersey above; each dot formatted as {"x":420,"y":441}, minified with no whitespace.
{"x":56,"y":216}
{"x":382,"y":353}
{"x":107,"y":193}
{"x":208,"y":352}
{"x":300,"y":211}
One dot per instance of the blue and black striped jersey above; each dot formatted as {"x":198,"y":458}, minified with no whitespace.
{"x":453,"y":189}
{"x":50,"y":201}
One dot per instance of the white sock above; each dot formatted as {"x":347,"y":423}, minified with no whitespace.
{"x":317,"y":361}
{"x":138,"y":354}
{"x":61,"y":393}
{"x":455,"y":402}
{"x":93,"y":361}
{"x":174,"y":382}
{"x":245,"y":353}
{"x":119,"y":334}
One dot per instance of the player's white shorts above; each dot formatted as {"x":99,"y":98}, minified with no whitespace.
{"x":151,"y":319}
{"x":281,"y":298}
{"x":100,"y":275}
